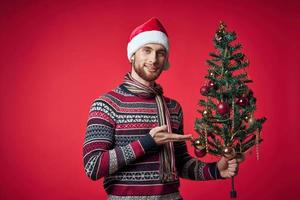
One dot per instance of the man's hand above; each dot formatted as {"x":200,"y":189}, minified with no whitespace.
{"x":229,"y":168}
{"x":161,"y":136}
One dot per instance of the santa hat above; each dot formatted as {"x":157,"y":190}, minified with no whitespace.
{"x":151,"y":31}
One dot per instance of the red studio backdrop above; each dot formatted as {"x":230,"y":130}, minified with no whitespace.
{"x":56,"y":57}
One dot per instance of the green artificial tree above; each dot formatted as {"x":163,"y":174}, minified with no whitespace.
{"x":227,"y":126}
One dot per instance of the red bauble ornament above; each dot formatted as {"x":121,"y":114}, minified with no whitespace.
{"x":204,"y":90}
{"x":223,"y":108}
{"x":200,"y":152}
{"x":243,"y":101}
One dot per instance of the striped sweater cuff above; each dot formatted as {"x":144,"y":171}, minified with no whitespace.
{"x":214,"y":171}
{"x":147,"y":142}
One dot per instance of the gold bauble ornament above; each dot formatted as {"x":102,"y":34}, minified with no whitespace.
{"x":247,"y":118}
{"x":251,"y":120}
{"x":229,"y":152}
{"x":197,"y":144}
{"x":207,"y":113}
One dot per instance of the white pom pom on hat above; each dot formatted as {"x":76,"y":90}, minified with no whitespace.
{"x":151,"y":31}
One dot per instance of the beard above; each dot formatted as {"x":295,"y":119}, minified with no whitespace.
{"x":147,"y":75}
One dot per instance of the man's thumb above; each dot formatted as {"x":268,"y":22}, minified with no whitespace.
{"x":158,"y":129}
{"x":161,"y":128}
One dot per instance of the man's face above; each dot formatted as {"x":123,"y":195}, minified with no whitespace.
{"x":149,"y":61}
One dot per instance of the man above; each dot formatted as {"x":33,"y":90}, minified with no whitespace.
{"x":134,"y":134}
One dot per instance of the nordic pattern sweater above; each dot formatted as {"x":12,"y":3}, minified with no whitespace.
{"x":119,"y":148}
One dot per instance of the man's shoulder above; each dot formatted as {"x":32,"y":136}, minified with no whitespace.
{"x":116,"y":94}
{"x":173,"y":104}
{"x":171,"y":100}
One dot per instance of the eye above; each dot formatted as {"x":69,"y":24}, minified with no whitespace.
{"x":161,"y":53}
{"x":146,"y":50}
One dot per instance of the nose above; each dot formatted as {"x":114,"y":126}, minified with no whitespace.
{"x":152,"y":57}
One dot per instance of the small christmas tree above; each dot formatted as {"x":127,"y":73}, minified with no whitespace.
{"x":227,"y":126}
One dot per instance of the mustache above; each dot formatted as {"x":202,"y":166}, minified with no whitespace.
{"x":151,"y":65}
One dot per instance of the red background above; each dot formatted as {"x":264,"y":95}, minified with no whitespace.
{"x":56,"y":57}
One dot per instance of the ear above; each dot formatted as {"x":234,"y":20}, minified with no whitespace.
{"x":132,"y":58}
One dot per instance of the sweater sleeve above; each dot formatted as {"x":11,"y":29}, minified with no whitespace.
{"x":101,"y":158}
{"x":189,"y":167}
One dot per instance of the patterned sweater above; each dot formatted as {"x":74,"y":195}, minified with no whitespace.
{"x":118,"y":146}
